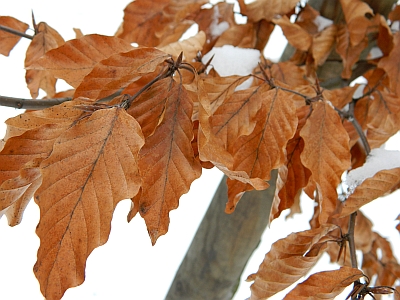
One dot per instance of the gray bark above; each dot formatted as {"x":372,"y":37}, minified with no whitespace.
{"x":222,"y":246}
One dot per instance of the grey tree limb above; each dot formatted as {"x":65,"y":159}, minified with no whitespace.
{"x":222,"y":246}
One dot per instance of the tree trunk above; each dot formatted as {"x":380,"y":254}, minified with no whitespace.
{"x":223,"y":243}
{"x":222,"y":246}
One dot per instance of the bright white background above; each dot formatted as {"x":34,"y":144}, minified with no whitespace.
{"x":127,"y":267}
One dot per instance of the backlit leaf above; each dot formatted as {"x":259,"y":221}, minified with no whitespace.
{"x":92,"y":167}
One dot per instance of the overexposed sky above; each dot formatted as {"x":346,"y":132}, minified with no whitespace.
{"x":127,"y":267}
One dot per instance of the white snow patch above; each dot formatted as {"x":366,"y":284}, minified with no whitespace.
{"x":230,"y":60}
{"x":322,"y":23}
{"x":215,"y":28}
{"x":377,"y":160}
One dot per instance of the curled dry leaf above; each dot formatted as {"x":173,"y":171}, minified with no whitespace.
{"x":325,"y":285}
{"x":92,"y":167}
{"x":44,"y":40}
{"x":288,"y":260}
{"x":326,"y":154}
{"x":76,"y":58}
{"x":169,"y":154}
{"x":9,"y":40}
{"x":190,"y":47}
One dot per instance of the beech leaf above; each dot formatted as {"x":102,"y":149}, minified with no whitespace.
{"x":45,"y":40}
{"x":190,"y":47}
{"x":266,"y":9}
{"x":92,"y":167}
{"x":76,"y":58}
{"x":326,"y":154}
{"x":9,"y":40}
{"x":325,"y":285}
{"x":167,"y":163}
{"x":391,"y":68}
{"x":288,"y":260}
{"x":118,"y":71}
{"x":263,"y":150}
{"x":370,"y":189}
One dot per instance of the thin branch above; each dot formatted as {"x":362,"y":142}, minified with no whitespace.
{"x":15,"y":32}
{"x":350,"y":238}
{"x":33,"y":104}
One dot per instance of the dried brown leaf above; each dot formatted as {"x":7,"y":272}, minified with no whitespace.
{"x":296,"y":36}
{"x":190,"y":47}
{"x":9,"y":40}
{"x":44,"y":40}
{"x":348,"y":52}
{"x":76,"y":58}
{"x":326,"y":154}
{"x":391,"y":64}
{"x":119,"y":71}
{"x":19,"y":191}
{"x":167,"y":163}
{"x":322,"y":44}
{"x":263,"y":150}
{"x":369,"y":190}
{"x":325,"y":285}
{"x":157,"y":23}
{"x":266,"y":9}
{"x":76,"y":210}
{"x":288,"y":260}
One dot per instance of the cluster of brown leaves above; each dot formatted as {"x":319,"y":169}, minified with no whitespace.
{"x":143,"y":122}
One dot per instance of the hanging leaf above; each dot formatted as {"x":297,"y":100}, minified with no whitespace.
{"x":326,"y":154}
{"x":391,"y":66}
{"x":118,"y":71}
{"x":296,"y":36}
{"x":266,"y":9}
{"x":189,"y":47}
{"x":44,"y":40}
{"x":288,"y":260}
{"x":76,"y":210}
{"x":263,"y":150}
{"x":167,"y":153}
{"x":370,"y":189}
{"x":157,"y":23}
{"x":325,"y":285}
{"x":74,"y":60}
{"x":9,"y":40}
